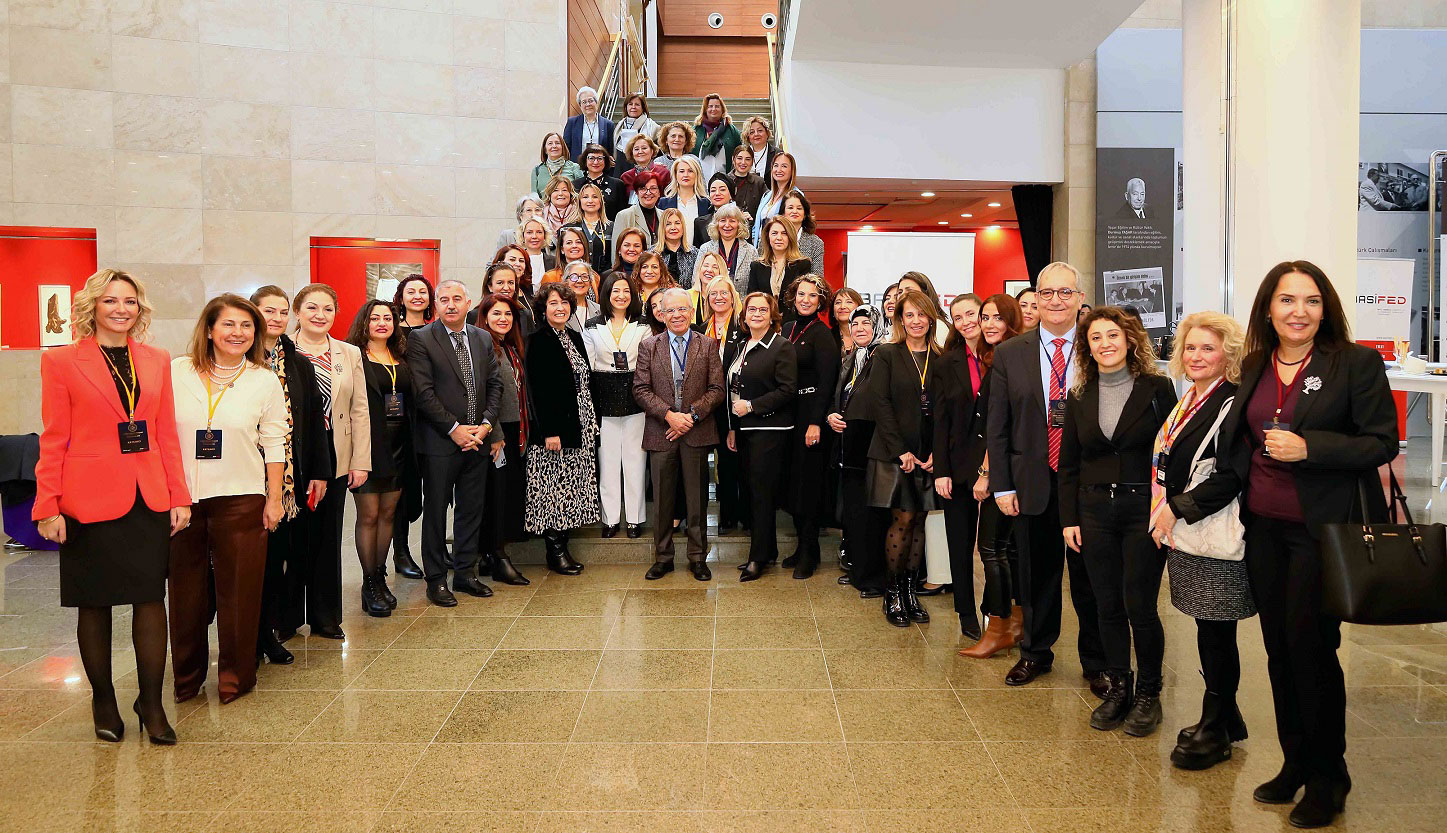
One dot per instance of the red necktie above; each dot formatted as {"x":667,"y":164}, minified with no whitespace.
{"x":1057,"y":393}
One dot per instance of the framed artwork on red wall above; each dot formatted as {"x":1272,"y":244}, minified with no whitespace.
{"x":362,"y":268}
{"x":40,"y":269}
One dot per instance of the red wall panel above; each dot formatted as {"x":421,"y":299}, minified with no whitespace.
{"x":341,"y":263}
{"x":30,"y":257}
{"x":998,"y":257}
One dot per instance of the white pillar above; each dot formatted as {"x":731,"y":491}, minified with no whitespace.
{"x":1292,"y":111}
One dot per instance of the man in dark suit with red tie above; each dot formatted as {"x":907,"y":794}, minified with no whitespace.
{"x":679,"y":383}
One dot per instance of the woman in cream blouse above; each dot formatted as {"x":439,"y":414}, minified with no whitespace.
{"x":231,"y":421}
{"x":315,"y":590}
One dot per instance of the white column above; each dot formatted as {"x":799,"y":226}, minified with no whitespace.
{"x":1292,"y":113}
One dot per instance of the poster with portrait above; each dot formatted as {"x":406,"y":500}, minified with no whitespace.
{"x":54,"y":315}
{"x":1135,"y":201}
{"x":1392,"y":223}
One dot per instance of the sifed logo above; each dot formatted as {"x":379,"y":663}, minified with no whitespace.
{"x":1389,"y":300}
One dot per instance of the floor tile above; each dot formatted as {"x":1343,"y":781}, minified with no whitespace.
{"x":316,"y":669}
{"x":904,"y":715}
{"x":937,"y":820}
{"x":767,"y":632}
{"x":768,"y":716}
{"x":422,"y":669}
{"x":513,"y":717}
{"x":646,"y":602}
{"x":24,"y":710}
{"x":360,"y":716}
{"x":476,"y":820}
{"x":357,"y":776}
{"x":679,"y":716}
{"x":539,"y":669}
{"x":559,"y":632}
{"x":912,"y":668}
{"x":456,"y":632}
{"x":784,"y":669}
{"x":1095,"y":773}
{"x":766,"y":601}
{"x":926,"y":775}
{"x":654,"y":668}
{"x":788,"y":776}
{"x":696,"y":632}
{"x":629,"y":776}
{"x":258,"y":717}
{"x":1030,"y":714}
{"x":593,"y":603}
{"x":856,"y":632}
{"x":517,"y":776}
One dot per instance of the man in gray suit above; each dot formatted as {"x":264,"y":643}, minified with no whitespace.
{"x":678,"y":383}
{"x":457,"y":386}
{"x":1032,"y":373}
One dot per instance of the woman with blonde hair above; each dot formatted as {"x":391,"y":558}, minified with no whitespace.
{"x":686,"y":193}
{"x":780,"y":263}
{"x":110,"y":488}
{"x":1208,"y":350}
{"x":1112,"y":414}
{"x":717,"y":137}
{"x":783,"y":172}
{"x":726,"y":232}
{"x":533,"y":237}
{"x":716,"y":314}
{"x":559,"y":196}
{"x":589,"y":213}
{"x":673,"y":246}
{"x":231,"y":416}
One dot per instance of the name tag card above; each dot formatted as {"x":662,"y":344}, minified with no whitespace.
{"x":1057,"y":413}
{"x":134,"y":437}
{"x":620,"y":360}
{"x":392,"y":406}
{"x":208,"y":444}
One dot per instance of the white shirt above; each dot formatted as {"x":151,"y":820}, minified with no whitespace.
{"x":761,"y":162}
{"x":251,"y":416}
{"x":590,"y":131}
{"x":599,"y":341}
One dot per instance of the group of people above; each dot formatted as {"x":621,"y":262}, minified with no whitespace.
{"x":610,"y":354}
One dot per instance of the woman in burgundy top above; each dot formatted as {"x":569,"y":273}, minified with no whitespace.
{"x":1313,"y":417}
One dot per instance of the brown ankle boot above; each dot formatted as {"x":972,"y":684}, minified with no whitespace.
{"x":1016,"y":624}
{"x":995,"y":639}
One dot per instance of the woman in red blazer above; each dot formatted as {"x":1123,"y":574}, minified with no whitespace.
{"x":110,"y":488}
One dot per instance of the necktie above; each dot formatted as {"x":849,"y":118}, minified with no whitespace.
{"x":680,"y":356}
{"x":464,"y":359}
{"x":1057,"y":393}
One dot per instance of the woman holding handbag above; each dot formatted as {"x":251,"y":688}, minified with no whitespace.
{"x":1195,"y":514}
{"x":1312,"y":422}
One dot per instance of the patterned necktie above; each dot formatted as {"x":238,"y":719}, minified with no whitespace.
{"x":1057,"y":393}
{"x":464,"y":358}
{"x":680,"y":353}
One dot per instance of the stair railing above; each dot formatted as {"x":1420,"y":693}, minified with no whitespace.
{"x":626,"y":71}
{"x":775,"y":40}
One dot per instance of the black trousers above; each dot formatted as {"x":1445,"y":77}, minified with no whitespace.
{"x":761,"y":458}
{"x":1125,"y":568}
{"x":314,"y":571}
{"x":962,"y":517}
{"x":507,"y":490}
{"x":460,"y":479}
{"x":685,"y":468}
{"x":1307,"y":685}
{"x":1043,"y":561}
{"x":281,"y":543}
{"x":864,"y":527}
{"x":733,"y":504}
{"x":999,"y":556}
{"x":1220,"y":658}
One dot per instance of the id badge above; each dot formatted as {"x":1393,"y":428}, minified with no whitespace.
{"x":620,"y":360}
{"x":1057,"y":413}
{"x":924,"y":404}
{"x":208,"y":444}
{"x":134,"y":437}
{"x":1273,"y":425}
{"x":392,"y":406}
{"x":1162,"y":460}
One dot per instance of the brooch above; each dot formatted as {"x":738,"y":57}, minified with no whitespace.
{"x":1312,"y":383}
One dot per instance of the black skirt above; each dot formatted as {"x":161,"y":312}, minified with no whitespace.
{"x":118,"y":562}
{"x":613,"y":393}
{"x":391,"y":463}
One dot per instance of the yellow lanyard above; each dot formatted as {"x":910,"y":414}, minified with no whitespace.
{"x":617,"y":333}
{"x":916,"y":365}
{"x":390,"y":368}
{"x":129,"y":388}
{"x":213,"y":404}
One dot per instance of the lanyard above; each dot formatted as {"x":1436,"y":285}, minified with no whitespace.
{"x":390,"y":368}
{"x":680,"y":361}
{"x":731,"y":256}
{"x":1283,"y":388}
{"x":922,"y":372}
{"x":1183,"y":413}
{"x":213,"y":404}
{"x":1053,"y":380}
{"x":800,"y":331}
{"x":618,"y":333}
{"x":130,"y":388}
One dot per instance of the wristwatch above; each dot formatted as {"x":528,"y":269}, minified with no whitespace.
{"x":982,"y":471}
{"x":693,"y":414}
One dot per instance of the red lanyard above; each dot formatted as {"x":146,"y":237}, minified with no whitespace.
{"x":1173,"y":429}
{"x":1283,"y":388}
{"x":800,"y":331}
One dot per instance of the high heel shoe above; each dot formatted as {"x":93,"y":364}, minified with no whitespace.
{"x":167,"y":737}
{"x":268,"y":646}
{"x":109,"y":734}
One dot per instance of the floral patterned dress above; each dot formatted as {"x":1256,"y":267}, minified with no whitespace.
{"x":563,"y":485}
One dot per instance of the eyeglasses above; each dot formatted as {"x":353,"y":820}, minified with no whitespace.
{"x":672,"y":310}
{"x":1064,"y":294}
{"x":577,"y":278}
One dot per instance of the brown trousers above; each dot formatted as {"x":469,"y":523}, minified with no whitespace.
{"x":691,"y":465}
{"x":217,"y":567}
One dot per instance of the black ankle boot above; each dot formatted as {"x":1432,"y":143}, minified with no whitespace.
{"x":384,"y":590}
{"x":404,"y":565}
{"x":1145,"y":714}
{"x":1208,"y":742}
{"x":894,"y":611}
{"x":269,"y":646}
{"x":1324,"y":798}
{"x":1119,"y":699}
{"x":373,"y":604}
{"x":504,"y":571}
{"x":559,"y":561}
{"x":1281,"y":789}
{"x":912,"y":608}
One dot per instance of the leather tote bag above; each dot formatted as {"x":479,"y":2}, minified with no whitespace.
{"x":1385,"y":574}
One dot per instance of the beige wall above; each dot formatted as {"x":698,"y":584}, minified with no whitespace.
{"x":207,"y":140}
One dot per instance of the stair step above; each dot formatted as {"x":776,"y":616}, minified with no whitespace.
{"x":590,"y":548}
{"x":665,"y":109}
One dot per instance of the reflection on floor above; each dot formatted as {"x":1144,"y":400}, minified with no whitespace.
{"x":606,"y":703}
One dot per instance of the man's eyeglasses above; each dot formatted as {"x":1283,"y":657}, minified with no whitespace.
{"x":1065,"y":294}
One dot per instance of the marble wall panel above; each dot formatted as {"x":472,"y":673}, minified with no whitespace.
{"x":239,"y":74}
{"x":414,"y":36}
{"x":256,"y":23}
{"x":332,"y":28}
{"x":169,"y":19}
{"x":335,"y":134}
{"x":477,"y":42}
{"x":158,"y":235}
{"x":158,"y":122}
{"x":239,"y":128}
{"x":155,"y":66}
{"x":333,"y":187}
{"x":331,"y":81}
{"x":418,"y":190}
{"x":247,"y":183}
{"x":59,"y":116}
{"x":60,"y":58}
{"x":410,"y":87}
{"x":82,"y":15}
{"x":158,"y":180}
{"x":415,"y":139}
{"x":246,"y":237}
{"x":64,"y":175}
{"x":480,"y":92}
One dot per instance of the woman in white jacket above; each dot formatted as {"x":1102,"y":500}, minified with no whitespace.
{"x":612,"y":338}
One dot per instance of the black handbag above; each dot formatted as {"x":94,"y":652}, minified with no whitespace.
{"x":1385,"y":574}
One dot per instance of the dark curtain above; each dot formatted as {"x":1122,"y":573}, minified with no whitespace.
{"x":1034,"y":208}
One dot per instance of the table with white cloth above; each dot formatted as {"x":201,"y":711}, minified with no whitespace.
{"x":1436,"y":388}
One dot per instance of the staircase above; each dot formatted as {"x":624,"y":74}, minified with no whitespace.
{"x":664,"y":109}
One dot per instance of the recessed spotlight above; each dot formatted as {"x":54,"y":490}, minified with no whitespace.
{"x":967,"y":215}
{"x":993,"y":205}
{"x":927,"y":193}
{"x":944,"y":222}
{"x":992,"y":228}
{"x":866,"y":228}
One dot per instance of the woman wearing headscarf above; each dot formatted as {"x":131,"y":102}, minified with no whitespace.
{"x":861,"y":546}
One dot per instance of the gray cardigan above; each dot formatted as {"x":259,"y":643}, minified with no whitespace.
{"x":747,"y":255}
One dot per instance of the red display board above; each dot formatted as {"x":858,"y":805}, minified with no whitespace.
{"x":32,"y":257}
{"x":352,"y":265}
{"x":1389,"y":353}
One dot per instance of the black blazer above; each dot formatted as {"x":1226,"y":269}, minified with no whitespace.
{"x":379,"y":384}
{"x":522,"y":317}
{"x":1088,"y":457}
{"x":1015,"y":428}
{"x":858,"y":431}
{"x":759,"y":274}
{"x":768,"y":379}
{"x":1216,"y":491}
{"x":441,"y":393}
{"x":553,"y":388}
{"x":817,"y":354}
{"x":311,"y":451}
{"x":1349,"y":424}
{"x":960,"y":420}
{"x":894,"y":402}
{"x":615,"y":193}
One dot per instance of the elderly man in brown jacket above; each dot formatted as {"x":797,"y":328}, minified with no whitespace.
{"x":678,"y":383}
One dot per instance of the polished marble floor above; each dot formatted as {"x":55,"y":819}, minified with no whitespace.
{"x":606,"y":703}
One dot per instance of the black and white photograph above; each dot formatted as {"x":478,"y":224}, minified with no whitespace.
{"x":1135,"y":231}
{"x":1391,"y":186}
{"x":1142,"y":290}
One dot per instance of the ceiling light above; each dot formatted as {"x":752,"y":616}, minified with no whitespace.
{"x":866,"y":228}
{"x":967,"y":215}
{"x":927,"y":193}
{"x":944,"y":222}
{"x":994,"y":205}
{"x":992,"y":228}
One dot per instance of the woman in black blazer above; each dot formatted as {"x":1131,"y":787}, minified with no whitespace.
{"x":717,"y":316}
{"x":816,"y":350}
{"x":562,"y":463}
{"x":861,"y":547}
{"x":1337,"y":425}
{"x":1112,"y":415}
{"x":780,"y":262}
{"x":959,"y":451}
{"x":762,"y":375}
{"x":1215,"y":591}
{"x":902,"y":390}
